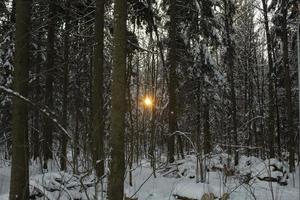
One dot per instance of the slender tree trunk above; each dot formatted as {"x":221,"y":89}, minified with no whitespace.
{"x":138,"y":143}
{"x":199,"y":146}
{"x":64,"y":139}
{"x":172,"y":82}
{"x":277,"y":122}
{"x":131,"y":123}
{"x":37,"y":96}
{"x":262,"y":111}
{"x":117,"y":168}
{"x":77,"y":125}
{"x":48,"y":128}
{"x":207,"y":137}
{"x":271,"y":107}
{"x":19,"y":184}
{"x":287,"y":85}
{"x":229,"y":60}
{"x":97,"y":95}
{"x":152,"y":109}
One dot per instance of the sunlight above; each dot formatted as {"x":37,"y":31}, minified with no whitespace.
{"x":148,"y":101}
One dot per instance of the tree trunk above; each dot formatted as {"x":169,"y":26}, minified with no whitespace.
{"x":207,"y":137}
{"x":229,"y":61}
{"x":48,"y":129}
{"x":19,"y":184}
{"x":287,"y":85}
{"x":97,"y":94}
{"x":117,"y":168}
{"x":37,"y":96}
{"x":64,"y":139}
{"x":138,"y":143}
{"x":172,"y":82}
{"x":271,"y":113}
{"x":76,"y":145}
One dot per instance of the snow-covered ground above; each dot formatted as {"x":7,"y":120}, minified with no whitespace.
{"x":4,"y":180}
{"x":163,"y":188}
{"x":175,"y":180}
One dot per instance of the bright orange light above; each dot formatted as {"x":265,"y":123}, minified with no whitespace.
{"x":148,"y":102}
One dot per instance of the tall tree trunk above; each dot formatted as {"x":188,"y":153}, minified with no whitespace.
{"x":97,"y":94}
{"x":131,"y":135}
{"x":271,"y":110}
{"x":19,"y":184}
{"x":64,"y":139}
{"x":37,"y":96}
{"x":278,"y":139}
{"x":172,"y":82}
{"x":229,"y":61}
{"x":138,"y":143}
{"x":199,"y":165}
{"x":117,"y":168}
{"x":287,"y":85}
{"x":48,"y":129}
{"x":76,"y":145}
{"x":153,"y":112}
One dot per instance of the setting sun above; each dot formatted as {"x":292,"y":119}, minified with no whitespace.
{"x":148,"y":102}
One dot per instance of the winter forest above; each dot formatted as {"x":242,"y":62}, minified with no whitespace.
{"x":149,"y":99}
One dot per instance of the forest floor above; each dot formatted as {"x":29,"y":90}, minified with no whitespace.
{"x":250,"y":180}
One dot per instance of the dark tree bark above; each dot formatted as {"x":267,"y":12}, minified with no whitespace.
{"x":271,"y":106}
{"x":76,"y":145}
{"x":97,"y":93}
{"x":287,"y":85}
{"x":172,"y":82}
{"x":13,"y":12}
{"x":207,"y":136}
{"x":64,"y":139}
{"x":229,"y":62}
{"x":138,"y":143}
{"x":48,"y":128}
{"x":37,"y":98}
{"x":19,"y":185}
{"x":117,"y":168}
